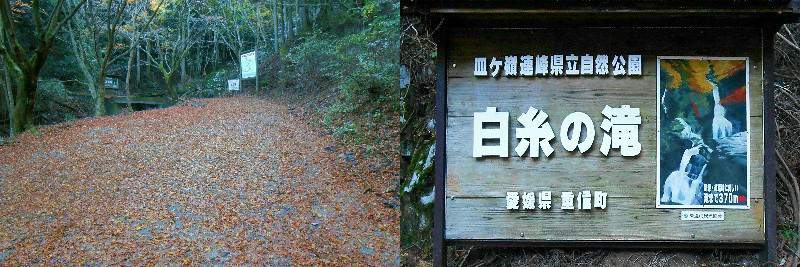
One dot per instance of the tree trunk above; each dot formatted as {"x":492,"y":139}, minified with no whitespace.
{"x":274,"y":26}
{"x":128,"y":75}
{"x":285,"y":28}
{"x":4,"y":97}
{"x":8,"y":101}
{"x":216,"y":50}
{"x":149,"y":71}
{"x":90,"y":81}
{"x":299,"y":23}
{"x":173,"y":95}
{"x":183,"y":70}
{"x":304,"y":21}
{"x":138,"y":66}
{"x":100,"y":101}
{"x":82,"y":62}
{"x":290,"y":23}
{"x":199,"y":60}
{"x":22,"y":116}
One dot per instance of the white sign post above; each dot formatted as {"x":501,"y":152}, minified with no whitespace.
{"x":233,"y":85}
{"x":249,"y":65}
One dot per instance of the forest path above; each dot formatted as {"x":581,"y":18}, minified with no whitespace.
{"x":226,"y":180}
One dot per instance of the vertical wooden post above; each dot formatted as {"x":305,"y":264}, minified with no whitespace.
{"x":258,"y":20}
{"x":439,"y":247}
{"x":770,"y":186}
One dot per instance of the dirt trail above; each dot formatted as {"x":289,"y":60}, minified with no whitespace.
{"x":227,"y":180}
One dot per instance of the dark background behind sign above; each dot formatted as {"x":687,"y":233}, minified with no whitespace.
{"x":475,"y":188}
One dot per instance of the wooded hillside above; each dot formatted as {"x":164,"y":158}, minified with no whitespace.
{"x":67,"y":59}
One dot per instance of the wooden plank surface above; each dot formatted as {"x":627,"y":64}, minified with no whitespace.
{"x":475,"y":188}
{"x":624,"y":219}
{"x":627,"y":176}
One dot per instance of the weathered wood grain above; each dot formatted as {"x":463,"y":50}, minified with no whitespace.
{"x":475,"y":187}
{"x":470,"y":94}
{"x":625,"y":219}
{"x":493,"y":176}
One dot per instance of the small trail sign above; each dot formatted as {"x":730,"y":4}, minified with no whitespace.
{"x":111,"y":83}
{"x":233,"y":85}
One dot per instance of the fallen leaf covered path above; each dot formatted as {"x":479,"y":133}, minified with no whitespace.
{"x":231,"y":180}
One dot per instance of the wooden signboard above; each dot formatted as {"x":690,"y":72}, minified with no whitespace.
{"x":698,"y":176}
{"x":476,"y":188}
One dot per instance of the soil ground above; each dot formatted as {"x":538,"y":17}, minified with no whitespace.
{"x":229,"y":180}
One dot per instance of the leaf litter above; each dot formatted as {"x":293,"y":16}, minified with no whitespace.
{"x":235,"y":180}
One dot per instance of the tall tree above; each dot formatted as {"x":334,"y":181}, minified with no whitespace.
{"x":172,"y":39}
{"x":255,"y":24}
{"x":136,"y":26}
{"x":231,"y":25}
{"x":275,"y":36}
{"x":283,"y":18}
{"x":93,"y":35}
{"x":9,"y":101}
{"x":289,"y":21}
{"x":26,"y":61}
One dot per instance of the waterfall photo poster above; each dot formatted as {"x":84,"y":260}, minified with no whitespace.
{"x":703,"y":133}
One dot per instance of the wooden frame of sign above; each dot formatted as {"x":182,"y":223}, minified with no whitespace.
{"x":469,"y":207}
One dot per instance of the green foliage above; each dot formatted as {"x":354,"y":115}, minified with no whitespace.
{"x":790,"y":236}
{"x":416,"y":198}
{"x":34,"y":131}
{"x":356,"y":55}
{"x":54,"y":104}
{"x":212,"y":85}
{"x":217,"y":80}
{"x":421,"y":167}
{"x":345,"y":129}
{"x":360,"y":62}
{"x":373,"y":55}
{"x":314,"y":57}
{"x":369,"y":9}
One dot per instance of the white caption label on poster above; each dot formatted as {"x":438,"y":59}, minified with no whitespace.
{"x":699,"y":215}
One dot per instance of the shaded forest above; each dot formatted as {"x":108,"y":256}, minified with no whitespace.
{"x":70,"y":59}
